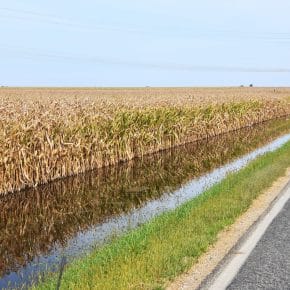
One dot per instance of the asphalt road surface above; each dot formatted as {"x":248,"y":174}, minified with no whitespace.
{"x":268,"y":266}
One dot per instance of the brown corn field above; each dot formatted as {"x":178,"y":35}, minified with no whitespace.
{"x":46,"y":134}
{"x":66,"y":206}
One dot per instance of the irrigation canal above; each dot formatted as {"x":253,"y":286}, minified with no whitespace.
{"x":70,"y":217}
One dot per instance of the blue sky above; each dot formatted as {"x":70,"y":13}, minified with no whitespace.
{"x":139,"y":43}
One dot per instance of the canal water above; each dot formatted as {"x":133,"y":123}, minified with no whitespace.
{"x":71,"y":217}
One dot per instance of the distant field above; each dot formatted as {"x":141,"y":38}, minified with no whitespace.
{"x":49,"y":133}
{"x":148,"y":97}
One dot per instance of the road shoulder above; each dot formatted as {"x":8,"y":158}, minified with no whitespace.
{"x":208,"y":268}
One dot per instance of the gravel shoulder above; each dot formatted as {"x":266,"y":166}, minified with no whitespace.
{"x":228,"y":238}
{"x":268,"y":265}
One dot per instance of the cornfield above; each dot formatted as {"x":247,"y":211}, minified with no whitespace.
{"x":75,"y":204}
{"x":49,"y":134}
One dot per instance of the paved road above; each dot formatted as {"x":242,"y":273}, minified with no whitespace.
{"x":268,"y":266}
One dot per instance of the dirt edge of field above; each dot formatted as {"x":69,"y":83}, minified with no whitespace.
{"x":228,"y":238}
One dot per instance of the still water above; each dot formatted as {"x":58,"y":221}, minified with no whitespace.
{"x":72,"y":216}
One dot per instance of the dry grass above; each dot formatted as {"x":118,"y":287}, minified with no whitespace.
{"x":47,"y":134}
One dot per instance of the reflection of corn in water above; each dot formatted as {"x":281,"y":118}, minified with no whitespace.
{"x":31,"y":222}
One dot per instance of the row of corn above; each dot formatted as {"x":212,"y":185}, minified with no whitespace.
{"x":40,"y":143}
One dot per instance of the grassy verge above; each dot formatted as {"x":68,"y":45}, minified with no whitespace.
{"x":156,"y":252}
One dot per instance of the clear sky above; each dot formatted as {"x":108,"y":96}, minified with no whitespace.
{"x":139,"y":43}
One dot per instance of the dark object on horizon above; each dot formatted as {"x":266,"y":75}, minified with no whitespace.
{"x":251,"y":85}
{"x":241,"y":86}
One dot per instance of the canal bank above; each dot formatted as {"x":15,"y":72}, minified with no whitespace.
{"x":220,"y":264}
{"x":168,"y":245}
{"x":71,"y":218}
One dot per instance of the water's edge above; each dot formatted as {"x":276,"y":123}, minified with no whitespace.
{"x":98,"y":234}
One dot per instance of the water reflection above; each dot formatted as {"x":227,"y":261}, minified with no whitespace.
{"x":37,"y":224}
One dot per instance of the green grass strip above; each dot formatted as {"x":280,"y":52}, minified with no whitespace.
{"x":158,"y":251}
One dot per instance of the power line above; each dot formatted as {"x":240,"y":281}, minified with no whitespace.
{"x":27,"y":12}
{"x":60,"y":21}
{"x":30,"y":54}
{"x":56,"y":20}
